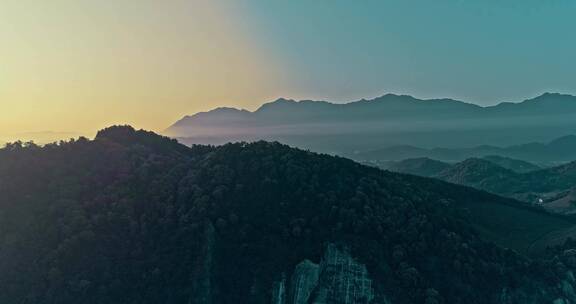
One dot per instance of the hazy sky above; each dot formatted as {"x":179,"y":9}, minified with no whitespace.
{"x":80,"y":65}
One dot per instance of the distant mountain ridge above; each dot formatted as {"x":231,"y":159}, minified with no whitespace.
{"x":387,"y":120}
{"x":387,"y":102}
{"x":288,"y":108}
{"x":562,"y":149}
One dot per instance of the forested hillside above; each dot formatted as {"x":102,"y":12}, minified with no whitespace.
{"x":133,"y":217}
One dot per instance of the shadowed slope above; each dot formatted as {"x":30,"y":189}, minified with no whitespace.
{"x":132,"y":217}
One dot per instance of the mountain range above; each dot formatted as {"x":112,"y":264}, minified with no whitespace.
{"x":384,"y":121}
{"x":134,"y":217}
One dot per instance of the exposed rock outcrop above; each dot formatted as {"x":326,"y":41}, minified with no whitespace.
{"x":343,"y":280}
{"x":279,"y":291}
{"x":304,"y":280}
{"x":338,"y":279}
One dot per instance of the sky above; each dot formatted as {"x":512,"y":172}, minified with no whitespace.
{"x":70,"y":67}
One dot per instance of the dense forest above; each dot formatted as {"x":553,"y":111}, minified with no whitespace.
{"x":134,"y":217}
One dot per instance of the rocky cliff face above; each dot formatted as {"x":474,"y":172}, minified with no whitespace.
{"x":279,"y":291}
{"x":337,"y":279}
{"x":304,"y":280}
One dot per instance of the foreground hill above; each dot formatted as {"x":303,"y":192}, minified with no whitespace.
{"x":384,"y":121}
{"x":132,"y":217}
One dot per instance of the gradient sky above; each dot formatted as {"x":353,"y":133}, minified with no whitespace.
{"x":80,"y":65}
